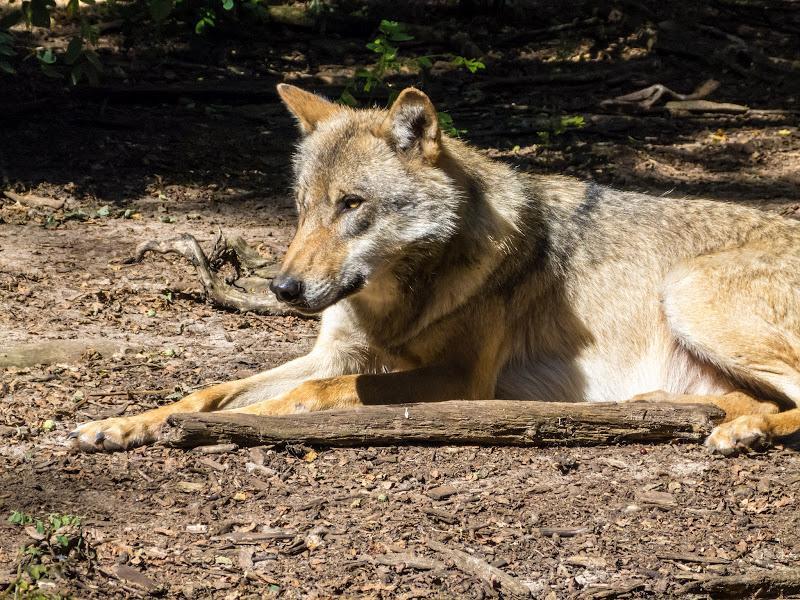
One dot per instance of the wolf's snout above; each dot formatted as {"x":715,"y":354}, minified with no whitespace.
{"x":286,"y":288}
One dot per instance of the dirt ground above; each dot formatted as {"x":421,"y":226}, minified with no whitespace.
{"x":632,"y":521}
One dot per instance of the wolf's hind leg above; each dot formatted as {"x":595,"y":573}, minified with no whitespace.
{"x":735,"y":404}
{"x":739,"y":312}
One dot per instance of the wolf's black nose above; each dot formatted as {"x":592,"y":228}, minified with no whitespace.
{"x":286,"y":288}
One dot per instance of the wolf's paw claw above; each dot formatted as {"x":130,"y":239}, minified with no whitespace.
{"x":750,"y":432}
{"x":118,"y":433}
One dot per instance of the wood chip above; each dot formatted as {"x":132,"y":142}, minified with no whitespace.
{"x":442,"y":492}
{"x":190,"y":487}
{"x":135,"y":577}
{"x":216,"y":449}
{"x":663,"y":500}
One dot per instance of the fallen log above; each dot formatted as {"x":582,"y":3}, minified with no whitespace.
{"x":473,"y":422}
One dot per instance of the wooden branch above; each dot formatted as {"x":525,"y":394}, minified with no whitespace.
{"x":482,"y":422}
{"x":217,"y":291}
{"x":763,"y":584}
{"x":472,"y":565}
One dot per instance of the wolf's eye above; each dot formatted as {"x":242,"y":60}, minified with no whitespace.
{"x":351,"y":202}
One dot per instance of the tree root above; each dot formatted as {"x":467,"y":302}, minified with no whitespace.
{"x":233,"y":251}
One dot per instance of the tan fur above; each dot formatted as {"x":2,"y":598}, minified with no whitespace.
{"x":443,"y":274}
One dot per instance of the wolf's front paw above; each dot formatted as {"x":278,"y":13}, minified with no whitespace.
{"x":119,"y":433}
{"x":744,"y":433}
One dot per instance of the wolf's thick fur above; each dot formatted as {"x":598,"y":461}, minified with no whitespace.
{"x":443,"y":274}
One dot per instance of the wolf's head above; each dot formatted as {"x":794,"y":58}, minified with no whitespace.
{"x":370,"y":192}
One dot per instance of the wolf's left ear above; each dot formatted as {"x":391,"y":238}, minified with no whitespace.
{"x":309,"y":109}
{"x":412,"y":124}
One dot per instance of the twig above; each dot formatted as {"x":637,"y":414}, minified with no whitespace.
{"x":479,"y":568}
{"x":563,"y":532}
{"x":409,"y":560}
{"x":34,"y":201}
{"x":647,"y":97}
{"x":692,"y":558}
{"x":764,"y":584}
{"x":131,"y":393}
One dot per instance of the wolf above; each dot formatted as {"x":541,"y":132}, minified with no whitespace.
{"x":441,"y":274}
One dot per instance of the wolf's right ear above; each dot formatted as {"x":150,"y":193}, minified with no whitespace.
{"x":413,"y":124}
{"x":309,"y":109}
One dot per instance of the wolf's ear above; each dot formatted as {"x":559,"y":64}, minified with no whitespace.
{"x":412,"y":124}
{"x":309,"y":109}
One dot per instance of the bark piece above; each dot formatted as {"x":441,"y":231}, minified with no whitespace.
{"x":34,"y":201}
{"x":477,"y":422}
{"x":135,"y":577}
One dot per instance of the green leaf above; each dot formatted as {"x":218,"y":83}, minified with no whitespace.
{"x":348,"y":98}
{"x":46,"y":56}
{"x":19,"y":518}
{"x":103,"y":211}
{"x":7,"y":68}
{"x":6,"y":51}
{"x":36,"y":571}
{"x":448,"y":126}
{"x":73,"y":50}
{"x":72,"y":7}
{"x":227,"y":4}
{"x":394,"y":31}
{"x":424,"y":62}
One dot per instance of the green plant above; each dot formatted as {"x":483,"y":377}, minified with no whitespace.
{"x":6,"y":51}
{"x":19,"y":518}
{"x":390,"y":32}
{"x":384,"y":46}
{"x":59,"y":548}
{"x":447,"y":125}
{"x":470,"y":64}
{"x":561,"y":126}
